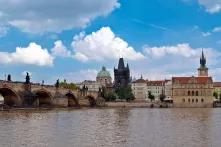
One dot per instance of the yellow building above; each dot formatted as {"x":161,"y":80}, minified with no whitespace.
{"x":193,"y":91}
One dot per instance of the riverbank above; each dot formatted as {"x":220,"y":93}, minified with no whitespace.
{"x":107,"y":105}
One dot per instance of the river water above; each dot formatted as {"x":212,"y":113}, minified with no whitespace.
{"x":111,"y":127}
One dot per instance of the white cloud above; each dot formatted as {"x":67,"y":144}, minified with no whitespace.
{"x":34,"y":54}
{"x":205,"y":34}
{"x":211,"y":6}
{"x":217,"y":29}
{"x":60,"y":49}
{"x":53,"y":15}
{"x":180,"y":49}
{"x":101,"y":45}
{"x":79,"y":76}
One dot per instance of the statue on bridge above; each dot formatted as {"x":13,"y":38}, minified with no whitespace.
{"x":27,"y":78}
{"x":57,"y":84}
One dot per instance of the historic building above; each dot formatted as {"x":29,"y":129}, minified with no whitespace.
{"x":193,"y":91}
{"x":92,"y":86}
{"x":217,"y":88}
{"x":168,"y":89}
{"x":139,"y":89}
{"x":156,"y":88}
{"x":121,"y":74}
{"x":104,"y":77}
{"x":142,"y":87}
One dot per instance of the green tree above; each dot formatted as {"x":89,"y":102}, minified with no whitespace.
{"x":66,"y":85}
{"x":150,"y":96}
{"x":125,"y":93}
{"x":215,"y":94}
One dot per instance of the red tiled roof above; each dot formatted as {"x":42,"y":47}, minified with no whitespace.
{"x":216,"y":84}
{"x":186,"y":80}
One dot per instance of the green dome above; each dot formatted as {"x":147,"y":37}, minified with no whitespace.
{"x":103,"y":73}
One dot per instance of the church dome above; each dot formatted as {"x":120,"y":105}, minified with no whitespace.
{"x":103,"y":73}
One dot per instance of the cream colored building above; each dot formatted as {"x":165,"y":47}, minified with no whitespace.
{"x":217,"y":88}
{"x":168,"y":89}
{"x":91,"y":85}
{"x":193,"y":91}
{"x":156,"y":88}
{"x":139,"y":89}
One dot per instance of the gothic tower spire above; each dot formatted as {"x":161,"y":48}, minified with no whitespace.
{"x":203,"y":70}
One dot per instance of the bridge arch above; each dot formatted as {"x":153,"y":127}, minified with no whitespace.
{"x":72,"y":100}
{"x":91,"y":100}
{"x":11,"y":98}
{"x":43,"y":97}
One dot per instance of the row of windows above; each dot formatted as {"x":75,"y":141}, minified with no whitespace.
{"x":193,"y":100}
{"x":192,"y":93}
{"x":195,"y":86}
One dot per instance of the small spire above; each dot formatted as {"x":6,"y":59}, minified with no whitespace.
{"x":141,"y":77}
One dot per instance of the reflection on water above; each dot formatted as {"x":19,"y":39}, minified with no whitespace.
{"x":112,"y":127}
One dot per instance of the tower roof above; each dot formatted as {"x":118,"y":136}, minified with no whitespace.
{"x":103,"y":73}
{"x":121,"y":64}
{"x":202,"y":60}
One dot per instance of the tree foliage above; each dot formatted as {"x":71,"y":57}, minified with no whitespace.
{"x":151,"y":96}
{"x":215,"y":94}
{"x":70,"y":86}
{"x":125,"y":93}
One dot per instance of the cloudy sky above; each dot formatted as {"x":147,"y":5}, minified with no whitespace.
{"x":73,"y":39}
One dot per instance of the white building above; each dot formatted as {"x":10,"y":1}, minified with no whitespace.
{"x":156,"y":88}
{"x":168,"y":89}
{"x":91,"y":85}
{"x":139,"y":89}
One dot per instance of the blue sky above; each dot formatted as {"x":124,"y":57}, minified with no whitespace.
{"x":73,"y":39}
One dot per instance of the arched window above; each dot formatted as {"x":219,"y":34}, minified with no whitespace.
{"x":188,"y":93}
{"x":189,"y":100}
{"x":202,"y":100}
{"x":192,"y":100}
{"x":184,"y":100}
{"x":192,"y":93}
{"x":197,"y":93}
{"x":196,"y":100}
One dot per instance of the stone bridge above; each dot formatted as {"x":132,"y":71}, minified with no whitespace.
{"x":20,"y":94}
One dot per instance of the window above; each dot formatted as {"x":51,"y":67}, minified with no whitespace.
{"x":192,"y":100}
{"x":196,"y":100}
{"x":202,"y":100}
{"x":188,"y":93}
{"x":189,"y":100}
{"x":184,"y":100}
{"x":192,"y":93}
{"x":197,"y":93}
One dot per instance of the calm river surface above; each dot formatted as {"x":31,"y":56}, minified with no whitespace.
{"x":112,"y":127}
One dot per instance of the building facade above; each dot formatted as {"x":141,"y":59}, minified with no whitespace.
{"x":104,"y":77}
{"x":156,"y":88}
{"x":139,"y":89}
{"x":217,"y":88}
{"x":92,"y":86}
{"x":121,"y":74}
{"x":194,"y":91}
{"x":168,"y":89}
